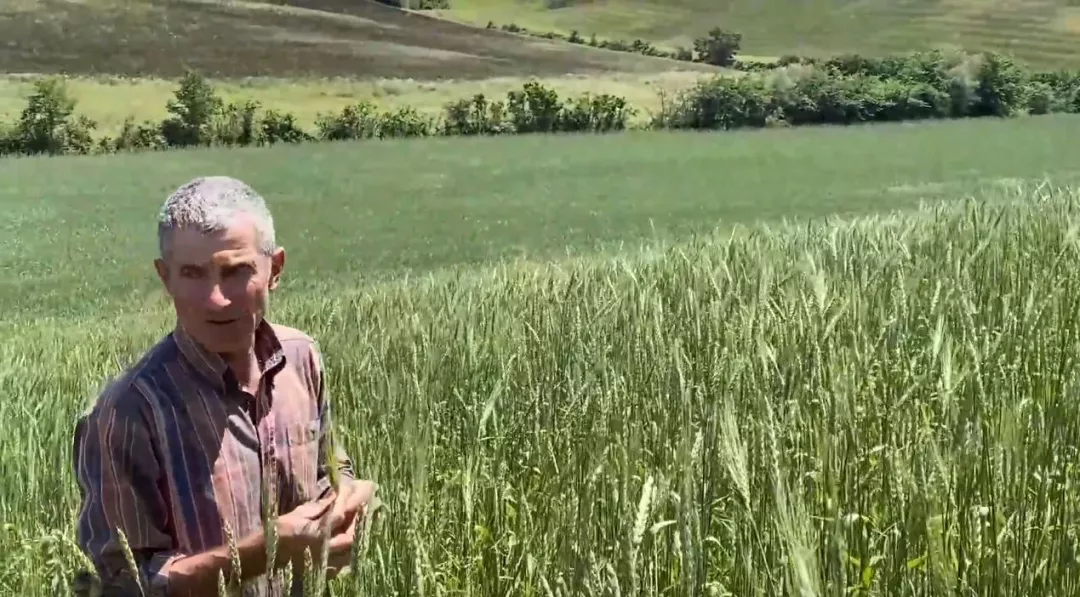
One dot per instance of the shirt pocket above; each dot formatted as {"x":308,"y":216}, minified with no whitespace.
{"x":302,"y":458}
{"x":301,"y":433}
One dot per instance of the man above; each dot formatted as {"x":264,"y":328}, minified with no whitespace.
{"x":183,"y":442}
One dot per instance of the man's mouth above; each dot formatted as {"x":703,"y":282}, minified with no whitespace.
{"x":224,"y":321}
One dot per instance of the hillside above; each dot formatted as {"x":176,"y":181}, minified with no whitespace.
{"x":355,"y":38}
{"x":1042,"y":32}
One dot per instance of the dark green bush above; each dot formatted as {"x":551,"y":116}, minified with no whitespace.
{"x":236,"y":124}
{"x":852,"y":89}
{"x":48,"y":124}
{"x":278,"y":127}
{"x":364,"y":121}
{"x":193,"y":109}
{"x":718,"y":48}
{"x":477,"y":116}
{"x":135,"y":137}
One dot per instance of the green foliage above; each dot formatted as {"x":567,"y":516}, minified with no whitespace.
{"x":718,"y":48}
{"x":536,"y":109}
{"x":193,"y":110}
{"x":236,"y":124}
{"x":792,"y":91}
{"x":854,"y":89}
{"x":135,"y":137}
{"x":477,"y":116}
{"x":48,"y":124}
{"x":364,"y":121}
{"x":278,"y":127}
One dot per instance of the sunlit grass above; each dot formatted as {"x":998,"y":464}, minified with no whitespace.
{"x":885,"y":405}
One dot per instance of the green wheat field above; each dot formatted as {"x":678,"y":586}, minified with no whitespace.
{"x":835,"y":361}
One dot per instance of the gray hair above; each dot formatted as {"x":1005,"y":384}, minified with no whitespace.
{"x":211,"y":204}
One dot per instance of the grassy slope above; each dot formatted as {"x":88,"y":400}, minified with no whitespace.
{"x":1045,"y":32}
{"x":382,"y":207}
{"x":319,"y":38}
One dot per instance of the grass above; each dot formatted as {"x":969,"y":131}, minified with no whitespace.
{"x":145,"y":98}
{"x":1044,"y":33}
{"x":882,"y":405}
{"x":360,"y":211}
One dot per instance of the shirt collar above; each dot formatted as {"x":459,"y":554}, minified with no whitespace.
{"x":268,"y":351}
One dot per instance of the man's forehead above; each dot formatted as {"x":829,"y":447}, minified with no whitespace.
{"x":220,"y":248}
{"x":220,"y":258}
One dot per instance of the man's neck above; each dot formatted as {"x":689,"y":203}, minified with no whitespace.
{"x":245,"y":367}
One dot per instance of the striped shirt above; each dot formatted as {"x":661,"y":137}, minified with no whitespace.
{"x":173,"y":449}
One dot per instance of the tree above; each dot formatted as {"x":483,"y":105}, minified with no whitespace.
{"x":719,"y":48}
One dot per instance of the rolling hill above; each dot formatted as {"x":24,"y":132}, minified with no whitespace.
{"x":308,"y":38}
{"x":1041,"y":32}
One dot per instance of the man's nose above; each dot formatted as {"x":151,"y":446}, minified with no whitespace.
{"x":216,"y":298}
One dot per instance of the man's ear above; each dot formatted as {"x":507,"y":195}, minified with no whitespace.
{"x":277,"y":265}
{"x":162,"y":272}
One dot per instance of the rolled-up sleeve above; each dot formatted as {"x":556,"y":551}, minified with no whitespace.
{"x":118,"y":475}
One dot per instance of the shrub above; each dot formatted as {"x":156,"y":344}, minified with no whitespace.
{"x":722,"y":103}
{"x":278,"y":127}
{"x":850,"y":89}
{"x":193,"y":109}
{"x":1064,"y":89}
{"x":135,"y":137}
{"x":719,"y":47}
{"x":48,"y":124}
{"x":1001,"y":86}
{"x":534,"y":109}
{"x":792,"y":91}
{"x":364,"y":121}
{"x":358,"y":121}
{"x":236,"y":124}
{"x":477,"y":116}
{"x":596,"y":114}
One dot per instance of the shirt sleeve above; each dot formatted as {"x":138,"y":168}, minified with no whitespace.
{"x":329,"y":439}
{"x":117,"y":473}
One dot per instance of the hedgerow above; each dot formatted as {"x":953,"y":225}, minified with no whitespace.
{"x":792,"y":92}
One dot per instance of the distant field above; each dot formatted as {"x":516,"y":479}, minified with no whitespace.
{"x":386,"y":207}
{"x":1042,"y":32}
{"x":308,"y":38}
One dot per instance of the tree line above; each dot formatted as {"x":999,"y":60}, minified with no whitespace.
{"x":845,"y":89}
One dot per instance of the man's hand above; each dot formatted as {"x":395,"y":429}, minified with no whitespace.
{"x":350,"y":507}
{"x":303,"y":528}
{"x":351,"y":502}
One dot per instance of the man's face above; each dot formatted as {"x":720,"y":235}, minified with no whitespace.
{"x":220,"y":284}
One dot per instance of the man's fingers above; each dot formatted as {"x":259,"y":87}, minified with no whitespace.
{"x":362,"y":493}
{"x":341,"y":544}
{"x":359,"y":495}
{"x":318,"y":508}
{"x":354,"y":496}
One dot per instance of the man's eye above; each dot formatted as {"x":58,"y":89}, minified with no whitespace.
{"x":190,"y":272}
{"x":237,"y":270}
